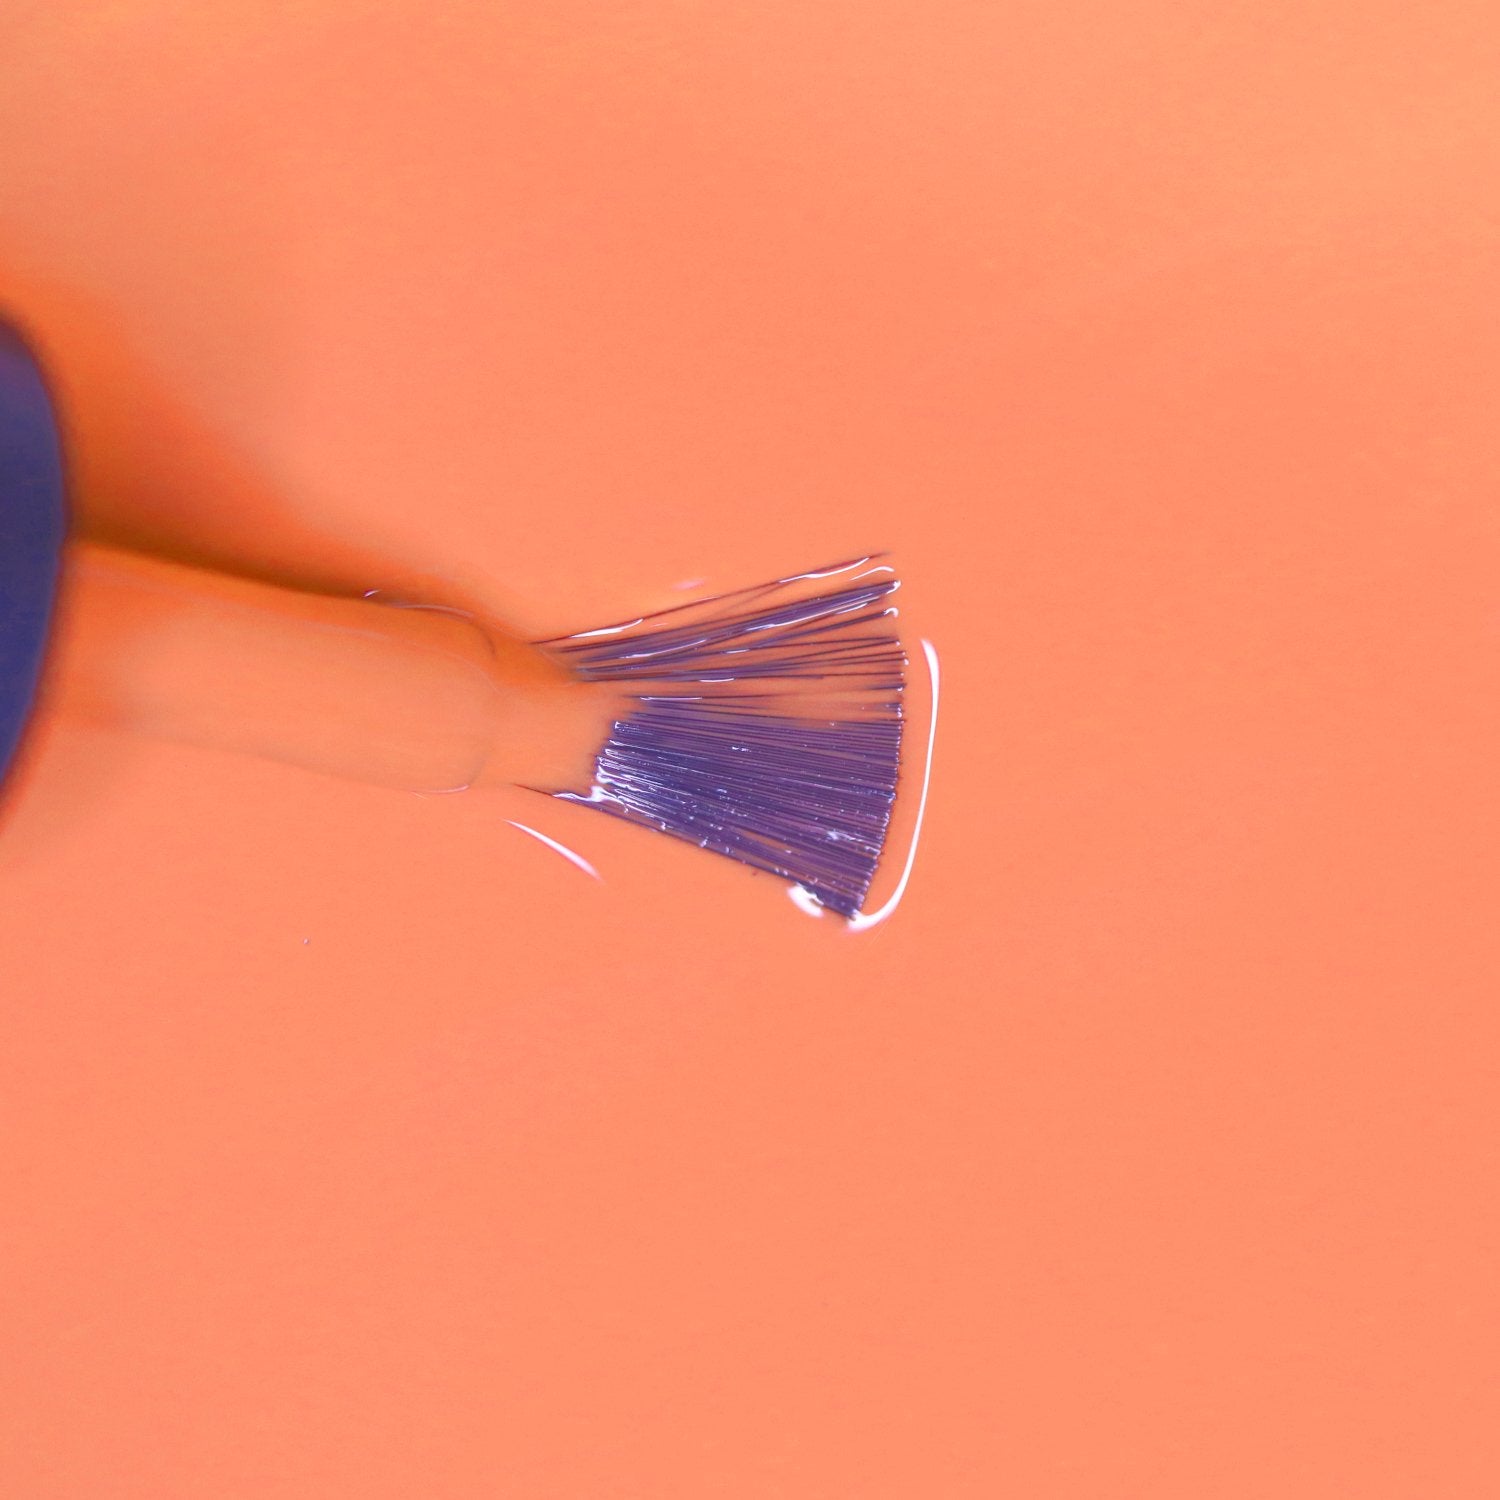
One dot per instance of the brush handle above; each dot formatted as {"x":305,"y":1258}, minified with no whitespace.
{"x":408,"y":697}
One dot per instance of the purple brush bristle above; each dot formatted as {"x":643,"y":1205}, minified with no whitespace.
{"x":763,"y":724}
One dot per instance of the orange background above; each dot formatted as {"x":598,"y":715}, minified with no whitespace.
{"x":356,"y":1145}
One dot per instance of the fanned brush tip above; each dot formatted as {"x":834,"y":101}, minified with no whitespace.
{"x":763,"y":724}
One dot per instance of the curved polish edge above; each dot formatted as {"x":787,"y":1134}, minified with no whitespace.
{"x":866,"y":920}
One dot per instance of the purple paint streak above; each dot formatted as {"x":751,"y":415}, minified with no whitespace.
{"x":764,"y":725}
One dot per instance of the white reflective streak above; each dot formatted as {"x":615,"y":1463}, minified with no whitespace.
{"x":866,"y":920}
{"x":562,"y":849}
{"x":804,"y":900}
{"x":827,"y":572}
{"x":588,"y":635}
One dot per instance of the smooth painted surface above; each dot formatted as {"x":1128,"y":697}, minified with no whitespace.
{"x":355,"y":1144}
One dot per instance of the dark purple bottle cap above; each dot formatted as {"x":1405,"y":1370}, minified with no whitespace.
{"x":33,"y":520}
